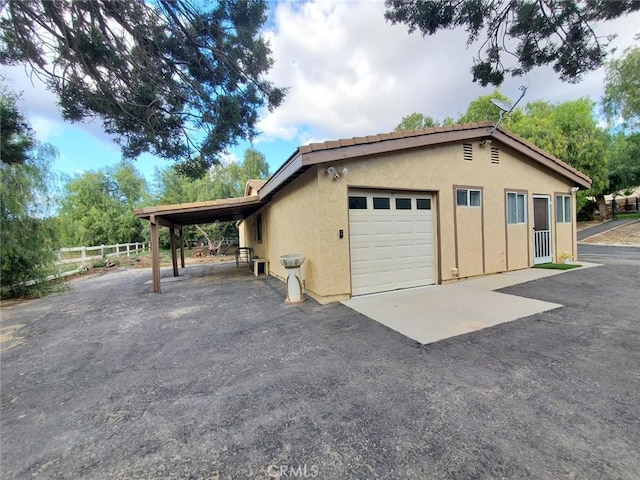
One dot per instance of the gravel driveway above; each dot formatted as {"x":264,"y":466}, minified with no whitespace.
{"x":216,"y":378}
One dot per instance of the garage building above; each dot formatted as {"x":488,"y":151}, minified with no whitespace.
{"x":407,"y":209}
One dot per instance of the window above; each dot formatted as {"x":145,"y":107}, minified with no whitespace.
{"x":563,"y":209}
{"x":259,"y":228}
{"x":403,"y":204}
{"x":381,"y":203}
{"x":423,"y":203}
{"x":467,"y":198}
{"x":357,"y":203}
{"x":516,"y":207}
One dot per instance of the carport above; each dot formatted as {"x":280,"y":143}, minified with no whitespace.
{"x":177,"y":216}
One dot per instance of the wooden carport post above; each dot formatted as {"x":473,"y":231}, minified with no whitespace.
{"x":181,"y":248}
{"x":155,"y":253}
{"x":174,"y":255}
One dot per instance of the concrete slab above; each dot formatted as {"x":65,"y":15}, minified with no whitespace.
{"x":515,"y":277}
{"x":433,"y":313}
{"x":430,"y":314}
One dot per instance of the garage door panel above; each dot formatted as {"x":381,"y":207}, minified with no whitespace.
{"x":390,"y":249}
{"x":407,"y":251}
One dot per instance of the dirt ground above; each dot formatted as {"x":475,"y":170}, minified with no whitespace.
{"x":145,"y":261}
{"x":625,"y":235}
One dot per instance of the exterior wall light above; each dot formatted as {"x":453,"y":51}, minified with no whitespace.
{"x":335,"y":173}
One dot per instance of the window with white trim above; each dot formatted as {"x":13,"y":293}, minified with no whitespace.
{"x":516,"y":208}
{"x":467,"y":197}
{"x":563,"y":209}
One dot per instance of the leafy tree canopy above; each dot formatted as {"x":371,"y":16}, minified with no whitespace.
{"x":28,"y":237}
{"x":535,"y":33}
{"x":624,"y":166}
{"x":482,"y":109}
{"x":416,"y":121}
{"x":16,"y":136}
{"x":622,"y":89}
{"x":177,"y":78}
{"x":97,"y":207}
{"x":569,"y":131}
{"x":225,"y":180}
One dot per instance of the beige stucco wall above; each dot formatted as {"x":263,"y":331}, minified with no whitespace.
{"x":469,"y":240}
{"x":289,"y":226}
{"x":565,"y":240}
{"x":306,"y":216}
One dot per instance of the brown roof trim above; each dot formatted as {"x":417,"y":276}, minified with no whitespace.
{"x":291,"y":169}
{"x":549,"y":161}
{"x":378,"y":146}
{"x":343,"y":149}
{"x":196,"y":206}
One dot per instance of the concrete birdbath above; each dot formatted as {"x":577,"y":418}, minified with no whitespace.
{"x":291,"y":263}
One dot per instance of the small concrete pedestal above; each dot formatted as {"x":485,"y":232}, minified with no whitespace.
{"x":293,"y":279}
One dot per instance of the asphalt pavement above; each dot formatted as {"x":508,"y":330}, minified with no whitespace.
{"x":216,"y":378}
{"x":603,"y":227}
{"x":608,"y":253}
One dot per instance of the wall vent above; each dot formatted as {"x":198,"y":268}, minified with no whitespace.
{"x":467,"y":151}
{"x":495,"y":155}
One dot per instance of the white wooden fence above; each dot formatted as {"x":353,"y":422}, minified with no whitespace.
{"x":89,"y":254}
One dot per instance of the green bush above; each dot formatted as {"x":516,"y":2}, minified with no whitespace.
{"x":588,"y":211}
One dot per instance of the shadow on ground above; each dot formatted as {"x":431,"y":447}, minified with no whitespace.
{"x":217,"y":378}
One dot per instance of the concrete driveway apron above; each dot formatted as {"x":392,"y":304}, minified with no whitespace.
{"x":433,"y":313}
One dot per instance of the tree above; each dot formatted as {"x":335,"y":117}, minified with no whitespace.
{"x":225,"y":180}
{"x":483,"y":110}
{"x":535,"y":33}
{"x":97,"y":207}
{"x":624,"y":165}
{"x":16,"y":136}
{"x":622,"y":89}
{"x":570,"y":132}
{"x":182,"y":80}
{"x":415,"y":121}
{"x":28,"y":236}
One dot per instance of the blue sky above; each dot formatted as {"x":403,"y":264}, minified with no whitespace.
{"x":350,"y":73}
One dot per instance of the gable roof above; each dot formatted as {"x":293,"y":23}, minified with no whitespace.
{"x":254,"y":185}
{"x":316,"y":153}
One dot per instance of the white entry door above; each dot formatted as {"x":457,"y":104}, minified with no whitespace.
{"x":391,"y":240}
{"x":542,"y":252}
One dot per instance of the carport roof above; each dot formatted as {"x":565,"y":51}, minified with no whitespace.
{"x":181,"y":214}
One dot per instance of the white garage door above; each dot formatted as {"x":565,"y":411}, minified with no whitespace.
{"x":391,"y":240}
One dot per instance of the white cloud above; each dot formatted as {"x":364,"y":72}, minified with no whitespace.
{"x":227,"y":158}
{"x":45,"y":128}
{"x":41,"y":106}
{"x":351,"y":73}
